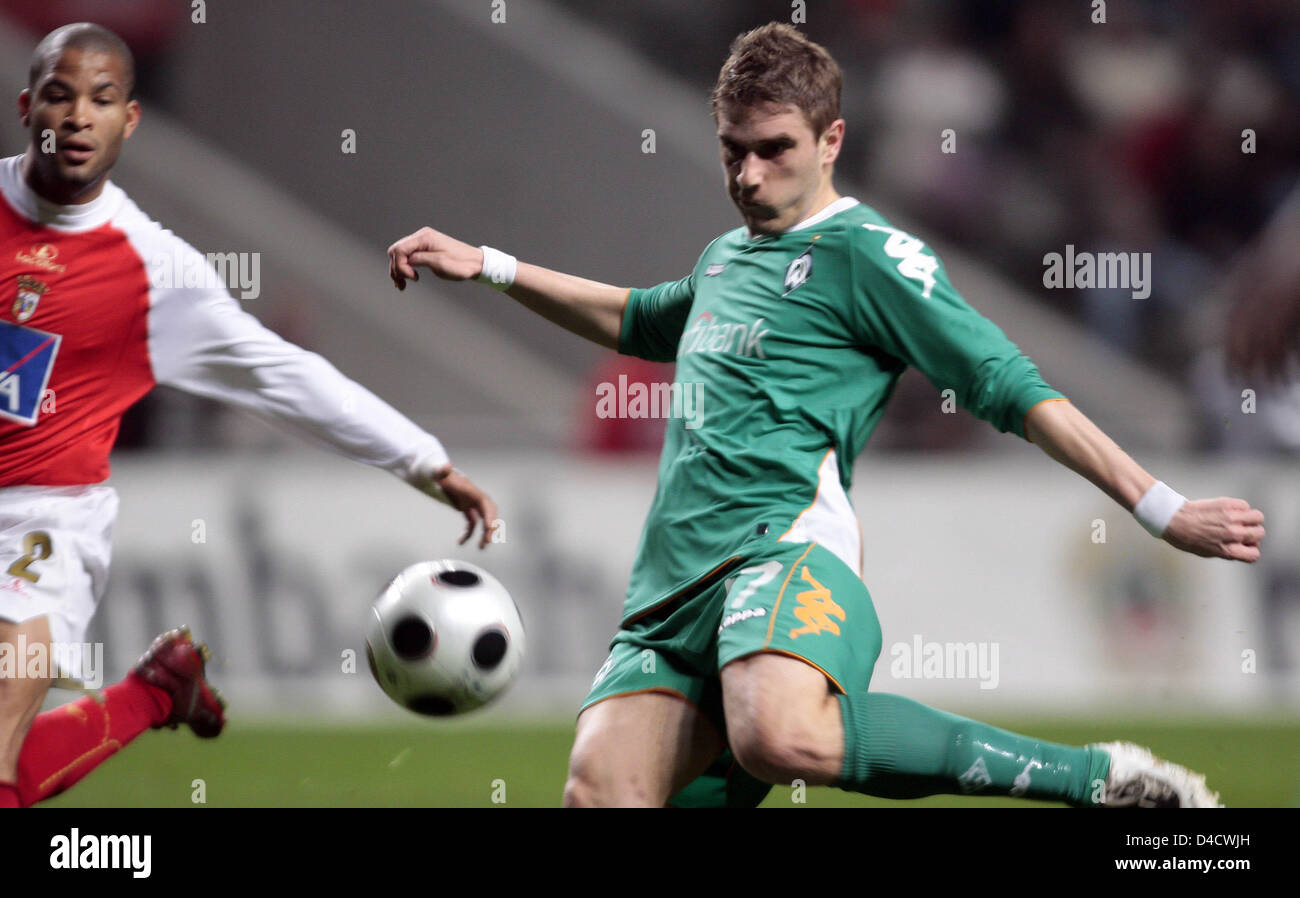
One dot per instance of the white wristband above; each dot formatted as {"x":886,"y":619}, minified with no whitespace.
{"x":498,"y":268}
{"x":1157,"y":508}
{"x":421,"y":475}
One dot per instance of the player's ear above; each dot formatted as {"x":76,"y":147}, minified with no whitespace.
{"x":832,"y":141}
{"x":25,"y":107}
{"x":132,"y":118}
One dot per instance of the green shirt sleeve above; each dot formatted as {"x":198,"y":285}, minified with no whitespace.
{"x":904,"y":304}
{"x":654,"y":318}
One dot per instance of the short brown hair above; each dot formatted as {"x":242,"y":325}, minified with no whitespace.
{"x":777,"y":64}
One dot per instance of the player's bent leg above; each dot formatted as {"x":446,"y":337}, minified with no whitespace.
{"x":21,"y":696}
{"x":798,"y":627}
{"x":898,"y":748}
{"x":785,"y":723}
{"x":783,"y":719}
{"x":637,"y":750}
{"x":167,"y":687}
{"x":796,"y":717}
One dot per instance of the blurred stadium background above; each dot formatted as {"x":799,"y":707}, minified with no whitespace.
{"x":530,"y":135}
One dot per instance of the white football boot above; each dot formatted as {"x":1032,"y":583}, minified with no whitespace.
{"x":1138,"y":779}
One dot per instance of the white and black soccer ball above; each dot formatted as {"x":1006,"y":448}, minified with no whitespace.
{"x":445,"y":638}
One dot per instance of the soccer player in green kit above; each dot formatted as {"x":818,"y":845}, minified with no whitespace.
{"x":747,"y":584}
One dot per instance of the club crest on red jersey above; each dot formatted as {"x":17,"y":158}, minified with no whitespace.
{"x":30,"y":291}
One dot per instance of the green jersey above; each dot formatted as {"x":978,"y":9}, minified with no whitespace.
{"x":791,"y":345}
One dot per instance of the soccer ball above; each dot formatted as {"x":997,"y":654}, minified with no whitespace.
{"x":445,"y":638}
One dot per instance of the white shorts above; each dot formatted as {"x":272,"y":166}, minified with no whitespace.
{"x":55,"y":543}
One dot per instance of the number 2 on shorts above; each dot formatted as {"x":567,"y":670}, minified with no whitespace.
{"x":37,"y":547}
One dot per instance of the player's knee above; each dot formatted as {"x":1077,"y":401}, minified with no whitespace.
{"x":583,"y":788}
{"x":593,"y":785}
{"x":579,"y":793}
{"x":782,"y":722}
{"x":20,"y":696}
{"x":20,"y":699}
{"x":13,"y":729}
{"x":778,"y":751}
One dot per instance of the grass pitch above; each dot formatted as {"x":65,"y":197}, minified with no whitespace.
{"x":1252,"y":764}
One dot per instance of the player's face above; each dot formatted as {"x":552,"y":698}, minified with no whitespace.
{"x":81,"y":102}
{"x":776,"y":167}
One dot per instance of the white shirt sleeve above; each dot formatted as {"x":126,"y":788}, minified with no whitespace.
{"x":202,"y":342}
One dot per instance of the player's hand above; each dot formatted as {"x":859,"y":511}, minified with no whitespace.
{"x":453,"y":488}
{"x":469,"y":500}
{"x":445,"y":256}
{"x":1217,"y":528}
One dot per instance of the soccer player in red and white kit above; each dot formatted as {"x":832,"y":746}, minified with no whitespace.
{"x":80,"y":320}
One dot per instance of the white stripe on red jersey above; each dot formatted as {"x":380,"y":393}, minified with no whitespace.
{"x":84,"y":333}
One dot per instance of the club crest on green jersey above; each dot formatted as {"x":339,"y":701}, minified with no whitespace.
{"x":799,"y":272}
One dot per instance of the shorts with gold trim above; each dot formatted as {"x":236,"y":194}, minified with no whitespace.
{"x":797,"y":599}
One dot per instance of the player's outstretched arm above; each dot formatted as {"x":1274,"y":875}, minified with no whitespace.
{"x":1212,"y":528}
{"x":589,"y":309}
{"x":202,"y":342}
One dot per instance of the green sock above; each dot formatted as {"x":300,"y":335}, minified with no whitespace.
{"x":898,"y":748}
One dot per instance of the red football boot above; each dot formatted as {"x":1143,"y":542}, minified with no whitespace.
{"x":174,"y":663}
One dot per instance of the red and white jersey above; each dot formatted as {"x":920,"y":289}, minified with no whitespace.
{"x":87,"y":327}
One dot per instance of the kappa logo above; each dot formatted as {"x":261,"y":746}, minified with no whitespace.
{"x":815,"y":609}
{"x":42,"y":256}
{"x":799,"y":272}
{"x":30,"y":291}
{"x":913,"y":263}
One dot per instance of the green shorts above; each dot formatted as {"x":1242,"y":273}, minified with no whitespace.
{"x":797,"y":599}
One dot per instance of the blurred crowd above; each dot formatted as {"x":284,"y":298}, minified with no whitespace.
{"x":1170,"y":128}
